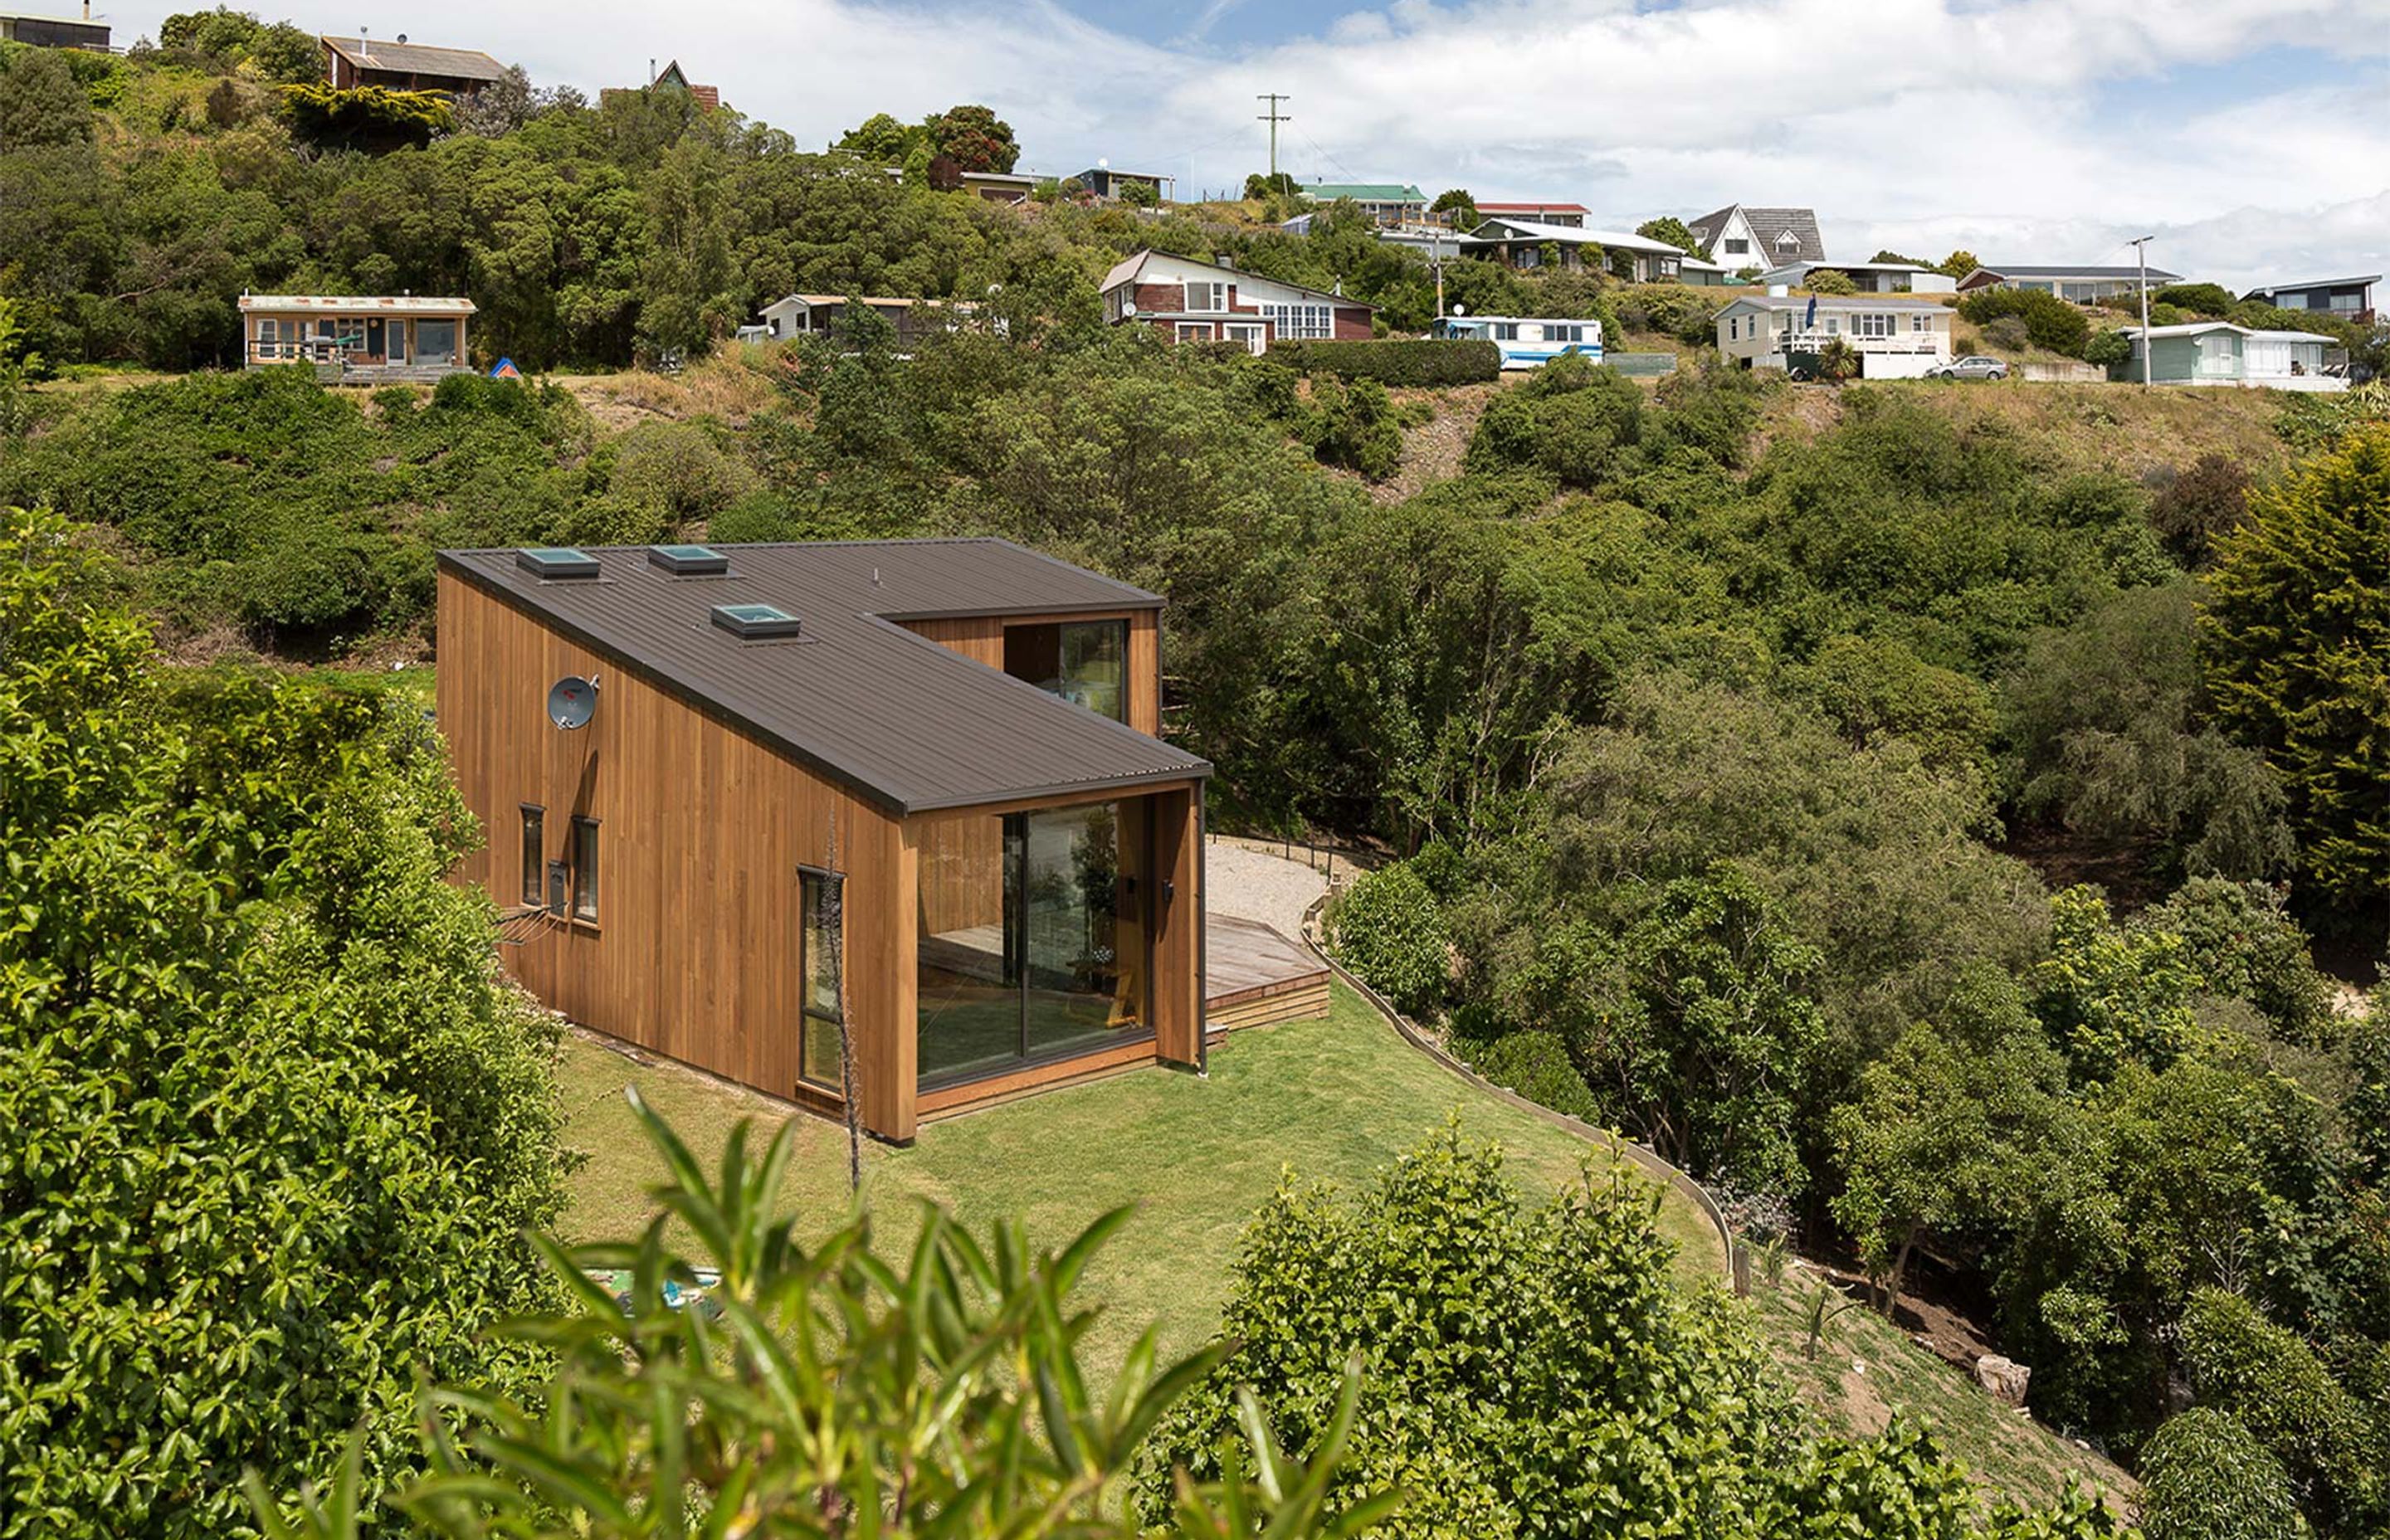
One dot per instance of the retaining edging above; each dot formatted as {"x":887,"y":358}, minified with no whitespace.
{"x":1641,"y":1156}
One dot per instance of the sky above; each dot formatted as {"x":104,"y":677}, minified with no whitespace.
{"x":2251,"y":137}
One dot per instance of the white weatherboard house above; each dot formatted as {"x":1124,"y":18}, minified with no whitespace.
{"x":1896,"y":339}
{"x":2217,"y":352}
{"x":1740,"y":236}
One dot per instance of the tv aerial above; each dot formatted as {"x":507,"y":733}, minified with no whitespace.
{"x":572,"y":701}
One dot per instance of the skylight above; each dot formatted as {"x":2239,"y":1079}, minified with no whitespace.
{"x":751,"y":622}
{"x":557,"y":561}
{"x":689,"y":561}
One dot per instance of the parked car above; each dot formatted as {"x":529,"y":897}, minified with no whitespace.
{"x":1972,"y":366}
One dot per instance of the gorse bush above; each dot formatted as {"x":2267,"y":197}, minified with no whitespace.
{"x":2203,"y":1477}
{"x":276,"y":1127}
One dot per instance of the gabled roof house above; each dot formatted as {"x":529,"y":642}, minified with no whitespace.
{"x":1188,"y":300}
{"x":728,"y":788}
{"x":1738,"y":235}
{"x":403,"y":66}
{"x":1896,"y":338}
{"x":1387,"y":202}
{"x":1527,"y":243}
{"x":2217,"y":352}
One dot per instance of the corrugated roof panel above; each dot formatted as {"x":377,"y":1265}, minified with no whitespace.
{"x":913,"y":724}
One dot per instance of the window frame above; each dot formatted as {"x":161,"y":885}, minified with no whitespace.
{"x":1215,"y":292}
{"x":809,"y":878}
{"x":584,"y":879}
{"x":531,"y":848}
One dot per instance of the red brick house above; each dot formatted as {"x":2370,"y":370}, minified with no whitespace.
{"x":1188,"y":300}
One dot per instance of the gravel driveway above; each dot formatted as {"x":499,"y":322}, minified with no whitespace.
{"x":1252,"y":885}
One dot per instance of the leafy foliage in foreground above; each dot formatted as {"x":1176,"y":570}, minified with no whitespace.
{"x":827,"y":1393}
{"x":273,"y":1126}
{"x":1538,"y":1370}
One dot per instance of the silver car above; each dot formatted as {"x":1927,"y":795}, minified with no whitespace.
{"x":1972,"y":366}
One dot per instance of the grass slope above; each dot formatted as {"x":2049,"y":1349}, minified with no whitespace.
{"x":1332,"y":1099}
{"x":1867,"y":1371}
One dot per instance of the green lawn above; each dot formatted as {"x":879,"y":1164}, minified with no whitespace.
{"x":1333,"y":1099}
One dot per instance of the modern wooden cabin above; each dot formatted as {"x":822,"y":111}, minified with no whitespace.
{"x":954,"y":738}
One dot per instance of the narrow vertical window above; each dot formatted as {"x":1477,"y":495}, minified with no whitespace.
{"x":584,"y":868}
{"x":534,"y":854}
{"x":820,"y":897}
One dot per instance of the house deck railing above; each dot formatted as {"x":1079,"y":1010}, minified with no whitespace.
{"x":1906,"y":341}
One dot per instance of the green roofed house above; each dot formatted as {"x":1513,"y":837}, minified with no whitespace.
{"x":1387,"y":202}
{"x":2217,"y":352}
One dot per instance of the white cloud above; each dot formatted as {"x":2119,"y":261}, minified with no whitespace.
{"x":1918,"y":115}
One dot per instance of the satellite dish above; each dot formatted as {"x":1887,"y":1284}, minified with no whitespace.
{"x":572,"y":701}
{"x":1129,"y":307}
{"x":1461,"y":309}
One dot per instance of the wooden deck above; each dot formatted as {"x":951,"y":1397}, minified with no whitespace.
{"x":1253,"y":975}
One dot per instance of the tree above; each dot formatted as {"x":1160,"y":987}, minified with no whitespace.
{"x":974,"y":137}
{"x":1461,"y":204}
{"x":1829,"y":281}
{"x":882,"y":139}
{"x":1139,"y":194}
{"x":276,"y":1126}
{"x":1958,"y":265}
{"x":370,"y":118}
{"x":1389,"y":930}
{"x":41,"y":102}
{"x":2049,"y":322}
{"x":1675,"y":231}
{"x":2295,"y":648}
{"x":1259,"y":185}
{"x":793,"y":1391}
{"x":1891,"y":256}
{"x":2203,"y":1477}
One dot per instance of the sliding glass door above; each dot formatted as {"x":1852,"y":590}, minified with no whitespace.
{"x":1033,"y":937}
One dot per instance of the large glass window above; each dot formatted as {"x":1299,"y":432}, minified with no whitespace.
{"x":1032,"y":941}
{"x":1083,"y":662}
{"x":435,"y":341}
{"x":534,"y":857}
{"x":819,"y":896}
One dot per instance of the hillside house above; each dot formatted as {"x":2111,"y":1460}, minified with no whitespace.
{"x":1567,"y":215}
{"x":2217,"y":352}
{"x":54,"y":32}
{"x":1736,"y":236}
{"x":682,"y":754}
{"x":359,"y":338}
{"x":1896,"y":339}
{"x":2349,"y":299}
{"x":349,"y":62}
{"x":1011,"y":188}
{"x":817,"y":315}
{"x":1107,"y":183}
{"x":671,"y":78}
{"x":2079,"y":283}
{"x":1526,"y":244}
{"x":1868,"y":277}
{"x":1188,"y":300}
{"x":1385,"y":202}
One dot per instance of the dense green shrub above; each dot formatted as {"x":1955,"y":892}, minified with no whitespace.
{"x":1531,"y":1367}
{"x":2112,"y":350}
{"x":1535,"y":1065}
{"x":275,"y":1126}
{"x":2050,"y":321}
{"x":2209,"y":300}
{"x":2296,"y":652}
{"x":2244,"y":946}
{"x":1829,"y":281}
{"x":2283,"y":1394}
{"x":1389,"y":929}
{"x":1577,"y":422}
{"x":1395,"y":361}
{"x":2203,"y":1477}
{"x":1681,"y":311}
{"x":1354,"y":426}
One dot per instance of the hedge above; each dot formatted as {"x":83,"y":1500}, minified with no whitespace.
{"x":1395,"y":361}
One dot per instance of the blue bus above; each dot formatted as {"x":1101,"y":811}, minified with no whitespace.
{"x":1526,"y":344}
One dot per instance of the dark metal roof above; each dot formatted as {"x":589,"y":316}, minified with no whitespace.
{"x":2078,"y":270}
{"x":907,"y":722}
{"x":416,"y":58}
